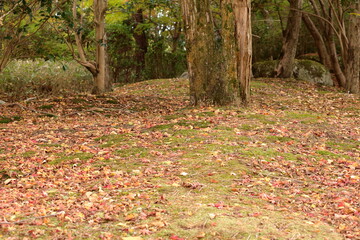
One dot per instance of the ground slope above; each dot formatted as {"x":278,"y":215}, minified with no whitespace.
{"x":141,"y":163}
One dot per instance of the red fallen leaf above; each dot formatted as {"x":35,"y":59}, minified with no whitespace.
{"x":341,"y":205}
{"x":174,"y":237}
{"x":219,"y":205}
{"x":255,"y":214}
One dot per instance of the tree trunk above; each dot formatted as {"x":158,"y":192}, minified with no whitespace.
{"x":200,"y":50}
{"x":102,"y":77}
{"x":291,"y":36}
{"x":352,"y":65}
{"x":242,"y":10}
{"x":334,"y":58}
{"x":141,"y":43}
{"x":319,"y":41}
{"x":219,"y":60}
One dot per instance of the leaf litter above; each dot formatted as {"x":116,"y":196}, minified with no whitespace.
{"x":139,"y":163}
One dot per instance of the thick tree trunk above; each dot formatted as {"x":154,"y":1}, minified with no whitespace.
{"x":291,"y":36}
{"x":352,"y":65}
{"x":219,"y":60}
{"x":200,"y":50}
{"x":141,"y":43}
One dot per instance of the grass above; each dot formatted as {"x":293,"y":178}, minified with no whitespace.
{"x":62,"y":158}
{"x":9,"y":119}
{"x":42,"y":78}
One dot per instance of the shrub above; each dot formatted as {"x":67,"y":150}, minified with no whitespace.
{"x":34,"y":78}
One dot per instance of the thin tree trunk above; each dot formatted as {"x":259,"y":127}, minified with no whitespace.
{"x":319,"y":41}
{"x":331,"y":46}
{"x":291,"y":37}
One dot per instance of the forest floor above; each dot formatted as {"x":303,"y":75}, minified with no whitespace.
{"x":140,"y":163}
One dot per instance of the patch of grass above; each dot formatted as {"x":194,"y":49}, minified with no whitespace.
{"x":304,"y":117}
{"x":27,"y":78}
{"x":225,"y":128}
{"x":349,"y":145}
{"x":197,"y":217}
{"x":175,"y":116}
{"x":266,"y":119}
{"x":326,"y":153}
{"x":248,"y":127}
{"x":63,"y":158}
{"x":46,"y":106}
{"x":183,"y":123}
{"x":114,"y":139}
{"x":138,"y":152}
{"x":28,"y":154}
{"x":258,"y":84}
{"x":9,"y":119}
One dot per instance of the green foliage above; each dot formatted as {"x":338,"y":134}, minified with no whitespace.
{"x":28,"y":78}
{"x":165,"y":47}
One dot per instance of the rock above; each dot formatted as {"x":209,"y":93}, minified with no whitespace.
{"x":2,"y":102}
{"x":264,"y":69}
{"x":305,"y":70}
{"x":313,"y":72}
{"x":184,"y":75}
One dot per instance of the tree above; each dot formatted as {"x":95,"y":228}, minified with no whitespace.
{"x":75,"y":25}
{"x":290,"y":40}
{"x":218,"y":54}
{"x":352,"y":69}
{"x":330,"y":23}
{"x":19,"y":21}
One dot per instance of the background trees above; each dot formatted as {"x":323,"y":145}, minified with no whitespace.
{"x":146,"y":39}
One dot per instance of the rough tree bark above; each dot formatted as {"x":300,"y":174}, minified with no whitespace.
{"x":219,"y":60}
{"x":352,"y":67}
{"x":242,"y":10}
{"x":291,"y":36}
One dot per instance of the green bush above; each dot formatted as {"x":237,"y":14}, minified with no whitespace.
{"x":33,"y":78}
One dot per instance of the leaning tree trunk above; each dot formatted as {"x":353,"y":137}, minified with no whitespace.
{"x":319,"y":41}
{"x":352,"y":65}
{"x":291,"y":37}
{"x":219,"y":60}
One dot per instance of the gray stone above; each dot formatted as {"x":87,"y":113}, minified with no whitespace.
{"x":305,"y":70}
{"x":313,"y":72}
{"x":184,"y":75}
